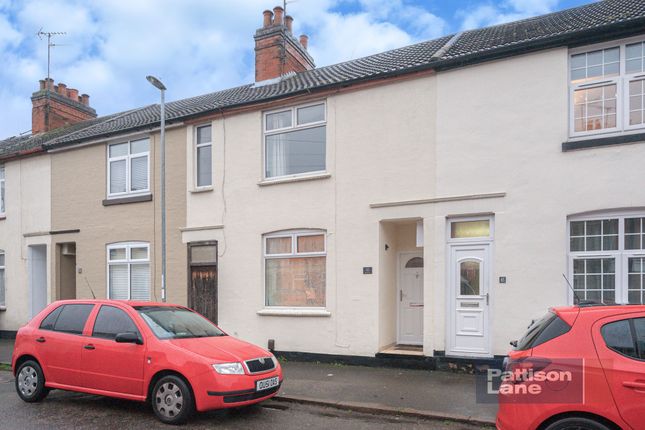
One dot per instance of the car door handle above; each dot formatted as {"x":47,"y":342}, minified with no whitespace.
{"x":634,"y":385}
{"x":40,"y":339}
{"x":90,"y":346}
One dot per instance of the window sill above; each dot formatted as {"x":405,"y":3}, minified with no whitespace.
{"x":289,"y":179}
{"x":125,"y":200}
{"x":201,"y":190}
{"x":3,"y":216}
{"x":294,"y":312}
{"x":622,"y":139}
{"x":3,"y":308}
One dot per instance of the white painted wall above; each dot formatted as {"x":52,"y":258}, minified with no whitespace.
{"x":28,"y":218}
{"x":496,"y":127}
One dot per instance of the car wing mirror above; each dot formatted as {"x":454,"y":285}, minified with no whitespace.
{"x":128,"y":338}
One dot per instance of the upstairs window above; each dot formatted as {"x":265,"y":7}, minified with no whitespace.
{"x":295,"y":141}
{"x":129,"y":271}
{"x":203,"y":157}
{"x":129,"y":168}
{"x":607,"y":89}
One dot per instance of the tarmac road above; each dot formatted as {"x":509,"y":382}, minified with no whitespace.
{"x":65,"y":410}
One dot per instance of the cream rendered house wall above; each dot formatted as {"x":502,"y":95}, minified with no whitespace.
{"x":500,"y":127}
{"x":495,"y":128}
{"x":28,"y":217}
{"x":371,"y":134}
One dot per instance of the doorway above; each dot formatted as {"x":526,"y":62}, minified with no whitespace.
{"x":66,"y":256}
{"x":37,"y":268}
{"x":410,"y":299}
{"x":202,"y":278}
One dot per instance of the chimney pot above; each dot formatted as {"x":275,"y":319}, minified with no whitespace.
{"x":304,"y":40}
{"x":50,"y":84}
{"x":72,"y":93}
{"x":42,"y":84}
{"x":62,"y":89}
{"x":85,"y":99}
{"x":288,"y":21}
{"x":268,"y":18}
{"x":277,"y":12}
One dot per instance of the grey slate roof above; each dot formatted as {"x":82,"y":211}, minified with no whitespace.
{"x":602,"y":19}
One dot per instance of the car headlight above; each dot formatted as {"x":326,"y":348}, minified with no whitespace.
{"x":229,"y":368}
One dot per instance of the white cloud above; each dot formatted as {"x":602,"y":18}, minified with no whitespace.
{"x":501,"y":12}
{"x":194,"y":46}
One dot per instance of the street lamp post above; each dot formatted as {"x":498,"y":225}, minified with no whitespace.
{"x":162,"y":89}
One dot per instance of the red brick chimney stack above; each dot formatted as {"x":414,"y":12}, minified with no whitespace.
{"x":277,"y":51}
{"x":58,"y":107}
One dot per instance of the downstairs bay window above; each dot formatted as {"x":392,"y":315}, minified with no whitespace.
{"x":607,"y":258}
{"x":129,"y":271}
{"x":295,"y":269}
{"x":607,"y":88}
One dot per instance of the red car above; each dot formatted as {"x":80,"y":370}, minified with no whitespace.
{"x":580,"y":367}
{"x":166,"y":354}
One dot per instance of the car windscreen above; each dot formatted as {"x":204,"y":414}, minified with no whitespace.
{"x":168,"y":322}
{"x":546,"y":328}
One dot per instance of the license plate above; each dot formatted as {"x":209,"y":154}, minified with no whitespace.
{"x":265,"y":384}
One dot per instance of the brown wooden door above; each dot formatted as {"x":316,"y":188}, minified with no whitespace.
{"x":202,"y":278}
{"x":202,"y":296}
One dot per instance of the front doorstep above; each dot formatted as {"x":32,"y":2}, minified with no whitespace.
{"x":403,"y":361}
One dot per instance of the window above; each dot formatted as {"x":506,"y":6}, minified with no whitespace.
{"x":2,"y":193}
{"x":111,"y":321}
{"x":295,"y":141}
{"x":469,"y":229}
{"x":607,"y":261}
{"x":203,"y":157}
{"x":607,"y":89}
{"x":177,"y":323}
{"x":543,"y":330}
{"x":129,"y":168}
{"x":295,"y":269}
{"x":470,"y":282}
{"x":50,"y":320}
{"x":72,"y":318}
{"x":129,"y":271}
{"x":3,"y":301}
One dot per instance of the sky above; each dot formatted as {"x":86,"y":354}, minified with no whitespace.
{"x":200,"y":46}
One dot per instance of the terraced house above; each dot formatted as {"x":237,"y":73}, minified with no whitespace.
{"x":423,"y":201}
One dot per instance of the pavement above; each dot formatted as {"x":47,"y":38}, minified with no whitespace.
{"x":387,"y":392}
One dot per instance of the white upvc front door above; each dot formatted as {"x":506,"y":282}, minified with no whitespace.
{"x":410,"y":299}
{"x":469,"y":300}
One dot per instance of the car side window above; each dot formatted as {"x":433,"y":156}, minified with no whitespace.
{"x":72,"y":318}
{"x":639,"y":331}
{"x":618,"y":337}
{"x":48,"y":322}
{"x":111,"y":321}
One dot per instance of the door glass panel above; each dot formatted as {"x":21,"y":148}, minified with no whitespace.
{"x":203,"y":254}
{"x":111,"y":321}
{"x":414,"y":262}
{"x":72,"y":318}
{"x":469,"y":275}
{"x":465,"y":229}
{"x":618,"y":336}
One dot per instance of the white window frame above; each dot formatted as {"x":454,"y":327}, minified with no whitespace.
{"x":3,"y":305}
{"x":620,"y":256}
{"x":622,"y":90}
{"x":128,"y":261}
{"x":293,"y":234}
{"x":491,"y":229}
{"x":3,"y":183}
{"x":294,"y":126}
{"x":128,"y":170}
{"x":196,"y":146}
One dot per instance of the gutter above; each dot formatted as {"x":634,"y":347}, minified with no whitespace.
{"x":24,"y":153}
